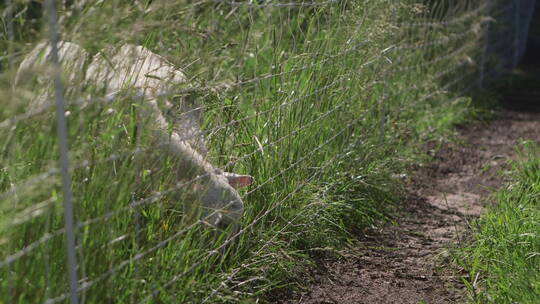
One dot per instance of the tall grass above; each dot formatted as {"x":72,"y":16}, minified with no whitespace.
{"x":503,"y":260}
{"x":321,"y":104}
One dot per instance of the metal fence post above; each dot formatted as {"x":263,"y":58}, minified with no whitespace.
{"x":382,"y":126}
{"x":484,"y":53}
{"x":516,"y":34}
{"x":64,"y":154}
{"x":483,"y":59}
{"x":11,"y":41}
{"x":10,"y":32}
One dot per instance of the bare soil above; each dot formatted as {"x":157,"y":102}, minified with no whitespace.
{"x":407,"y":262}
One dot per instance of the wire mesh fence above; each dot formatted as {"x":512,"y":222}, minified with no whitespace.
{"x":196,"y":138}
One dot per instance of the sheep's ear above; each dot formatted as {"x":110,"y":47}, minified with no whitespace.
{"x":238,"y":181}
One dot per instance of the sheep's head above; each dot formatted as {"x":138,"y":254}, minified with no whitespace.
{"x":223,"y":204}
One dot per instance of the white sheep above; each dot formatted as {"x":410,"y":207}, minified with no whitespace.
{"x":148,"y":76}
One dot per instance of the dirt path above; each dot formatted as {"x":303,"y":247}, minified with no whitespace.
{"x":399,"y":263}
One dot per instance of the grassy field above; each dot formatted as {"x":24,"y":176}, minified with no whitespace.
{"x":503,"y":261}
{"x":323,"y":104}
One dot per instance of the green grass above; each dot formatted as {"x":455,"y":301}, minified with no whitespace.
{"x":503,"y":261}
{"x":337,"y":120}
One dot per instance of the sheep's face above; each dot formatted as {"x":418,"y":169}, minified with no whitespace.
{"x":221,"y":200}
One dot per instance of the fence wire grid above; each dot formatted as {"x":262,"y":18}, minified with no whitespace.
{"x":168,"y":151}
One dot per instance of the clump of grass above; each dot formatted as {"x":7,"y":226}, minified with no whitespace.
{"x":503,"y":260}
